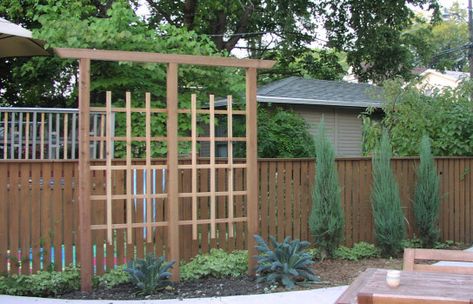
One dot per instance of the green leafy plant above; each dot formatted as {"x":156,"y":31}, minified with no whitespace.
{"x":42,"y":283}
{"x":326,"y":219}
{"x":150,"y":274}
{"x":285,"y":263}
{"x":283,"y":133}
{"x":427,"y":197}
{"x":359,"y":251}
{"x":412,"y":243}
{"x":114,"y":277}
{"x":386,"y":203}
{"x":447,"y":244}
{"x":217,"y":263}
{"x":446,"y":117}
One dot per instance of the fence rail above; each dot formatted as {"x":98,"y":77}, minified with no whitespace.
{"x":38,"y":210}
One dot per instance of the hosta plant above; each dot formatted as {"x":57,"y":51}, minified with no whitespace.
{"x":150,"y":274}
{"x":285,"y":263}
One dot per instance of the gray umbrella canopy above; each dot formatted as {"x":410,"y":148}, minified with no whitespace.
{"x":16,"y":41}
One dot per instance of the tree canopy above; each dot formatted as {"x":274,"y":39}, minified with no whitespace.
{"x":441,"y":46}
{"x":289,"y":23}
{"x":52,"y":81}
{"x":370,"y":32}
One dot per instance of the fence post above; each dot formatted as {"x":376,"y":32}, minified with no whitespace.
{"x":172,"y":166}
{"x":252,"y":167}
{"x":85,"y":235}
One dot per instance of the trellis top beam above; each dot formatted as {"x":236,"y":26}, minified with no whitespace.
{"x":110,"y":55}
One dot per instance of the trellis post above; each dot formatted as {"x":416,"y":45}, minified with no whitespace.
{"x":172,"y":170}
{"x":85,"y":236}
{"x":172,"y":214}
{"x":252,"y":167}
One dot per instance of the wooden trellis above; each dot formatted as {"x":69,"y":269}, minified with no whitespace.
{"x":172,"y":166}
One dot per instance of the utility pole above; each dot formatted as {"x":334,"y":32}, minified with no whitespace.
{"x":470,"y":30}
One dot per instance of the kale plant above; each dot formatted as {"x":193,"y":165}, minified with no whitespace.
{"x":285,"y":262}
{"x":150,"y":274}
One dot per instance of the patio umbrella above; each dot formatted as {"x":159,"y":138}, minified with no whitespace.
{"x":16,"y":41}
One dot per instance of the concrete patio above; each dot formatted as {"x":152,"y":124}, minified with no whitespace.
{"x":319,"y":296}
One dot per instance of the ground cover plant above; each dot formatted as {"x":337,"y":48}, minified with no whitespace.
{"x":113,"y":278}
{"x":359,"y":251}
{"x":217,"y":263}
{"x":42,"y":283}
{"x":285,"y":263}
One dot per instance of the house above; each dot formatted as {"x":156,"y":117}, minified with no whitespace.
{"x":431,"y":80}
{"x":339,"y":102}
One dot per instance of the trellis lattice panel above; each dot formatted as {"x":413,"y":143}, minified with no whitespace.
{"x":130,"y":201}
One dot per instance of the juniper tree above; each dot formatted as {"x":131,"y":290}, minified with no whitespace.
{"x":427,"y":196}
{"x":326,"y":219}
{"x":386,"y":202}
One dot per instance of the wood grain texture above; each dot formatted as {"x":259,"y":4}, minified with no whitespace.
{"x":84,"y":176}
{"x":252,"y":169}
{"x":173,"y":171}
{"x":173,"y":59}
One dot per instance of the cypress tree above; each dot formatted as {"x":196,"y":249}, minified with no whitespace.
{"x":386,"y":203}
{"x":326,"y":219}
{"x":427,"y":196}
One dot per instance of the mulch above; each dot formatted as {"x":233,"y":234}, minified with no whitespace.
{"x":332,"y":273}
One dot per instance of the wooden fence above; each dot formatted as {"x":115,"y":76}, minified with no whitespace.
{"x":38,"y":209}
{"x":47,"y":133}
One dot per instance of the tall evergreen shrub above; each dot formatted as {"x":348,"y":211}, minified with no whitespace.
{"x":386,"y":203}
{"x":427,"y":196}
{"x":326,"y":219}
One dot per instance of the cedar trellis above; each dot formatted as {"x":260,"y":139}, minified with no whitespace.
{"x":172,"y":166}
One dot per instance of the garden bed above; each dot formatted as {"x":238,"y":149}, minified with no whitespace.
{"x":332,"y":273}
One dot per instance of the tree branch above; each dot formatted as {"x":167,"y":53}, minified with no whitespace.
{"x":162,"y":13}
{"x":241,"y":27}
{"x":190,"y":7}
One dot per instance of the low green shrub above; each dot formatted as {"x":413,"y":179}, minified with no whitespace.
{"x":314,"y":252}
{"x":41,"y":284}
{"x":286,"y":263}
{"x":150,"y":274}
{"x":113,"y":278}
{"x":217,"y":263}
{"x":446,"y":245}
{"x":359,"y":251}
{"x":412,"y":243}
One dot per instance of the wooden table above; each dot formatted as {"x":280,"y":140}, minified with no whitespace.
{"x":416,"y":287}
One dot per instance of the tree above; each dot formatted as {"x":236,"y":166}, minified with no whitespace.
{"x":326,"y":219}
{"x":52,"y":81}
{"x":289,"y":23}
{"x":427,"y":197}
{"x":370,"y":32}
{"x":386,"y":203}
{"x":445,"y":116}
{"x":441,"y":46}
{"x":324,"y":64}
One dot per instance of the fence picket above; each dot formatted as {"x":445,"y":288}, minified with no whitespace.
{"x":39,"y":208}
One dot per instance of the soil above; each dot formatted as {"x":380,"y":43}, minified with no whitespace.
{"x":331,"y":272}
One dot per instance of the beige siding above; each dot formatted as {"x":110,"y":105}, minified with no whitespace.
{"x":349,"y":133}
{"x":343,"y":126}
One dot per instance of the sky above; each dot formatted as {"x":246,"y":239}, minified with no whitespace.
{"x":447,"y":3}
